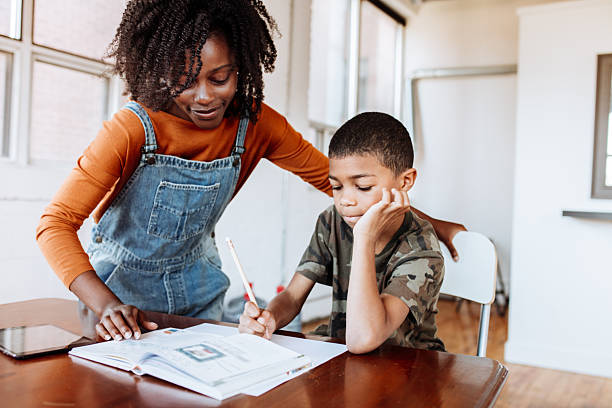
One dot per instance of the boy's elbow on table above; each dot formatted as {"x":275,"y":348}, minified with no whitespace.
{"x":362,"y":343}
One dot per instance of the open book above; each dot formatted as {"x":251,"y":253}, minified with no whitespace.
{"x":211,"y":364}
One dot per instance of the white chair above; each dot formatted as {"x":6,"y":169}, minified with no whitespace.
{"x":473,"y":277}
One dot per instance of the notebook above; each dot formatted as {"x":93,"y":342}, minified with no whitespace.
{"x":212,"y":364}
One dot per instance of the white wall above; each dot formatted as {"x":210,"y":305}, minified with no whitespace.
{"x":24,"y":192}
{"x":466,"y":125}
{"x":273,"y":216}
{"x":561,"y":267}
{"x":253,"y":219}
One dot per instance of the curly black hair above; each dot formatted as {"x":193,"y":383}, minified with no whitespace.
{"x":155,"y":37}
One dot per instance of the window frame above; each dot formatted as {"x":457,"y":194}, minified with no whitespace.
{"x":602,"y":114}
{"x":399,"y":54}
{"x":324,"y":131}
{"x":24,"y":53}
{"x":5,"y":131}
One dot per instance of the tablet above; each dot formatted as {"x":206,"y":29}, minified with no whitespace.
{"x":29,"y":341}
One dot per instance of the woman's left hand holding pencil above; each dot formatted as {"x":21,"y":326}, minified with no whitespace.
{"x":255,"y":321}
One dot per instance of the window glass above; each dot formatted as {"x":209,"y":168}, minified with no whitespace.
{"x":5,"y":17}
{"x":4,"y":65}
{"x":10,"y":13}
{"x":68,"y":107}
{"x":377,"y":47}
{"x":601,"y":182}
{"x":609,"y":152}
{"x":328,"y":61}
{"x":80,"y":27}
{"x":608,"y":180}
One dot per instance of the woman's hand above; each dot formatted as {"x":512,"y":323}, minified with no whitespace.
{"x":119,"y":321}
{"x":446,"y":231}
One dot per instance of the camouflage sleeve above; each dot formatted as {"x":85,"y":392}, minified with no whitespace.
{"x":417,"y":282}
{"x":316,"y":263}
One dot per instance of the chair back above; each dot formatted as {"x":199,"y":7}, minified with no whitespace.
{"x":473,"y":276}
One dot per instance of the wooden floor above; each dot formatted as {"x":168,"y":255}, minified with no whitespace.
{"x":526,"y":386}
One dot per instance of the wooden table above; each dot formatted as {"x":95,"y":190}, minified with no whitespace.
{"x":389,"y":376}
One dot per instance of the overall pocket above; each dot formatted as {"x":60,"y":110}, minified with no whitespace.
{"x":181,"y":211}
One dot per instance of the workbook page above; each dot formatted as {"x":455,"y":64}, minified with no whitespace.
{"x":215,"y":359}
{"x":123,"y":354}
{"x":318,"y":352}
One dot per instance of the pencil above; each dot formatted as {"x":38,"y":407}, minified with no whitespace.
{"x":245,"y":281}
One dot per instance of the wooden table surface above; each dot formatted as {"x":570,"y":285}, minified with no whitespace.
{"x":389,"y":376}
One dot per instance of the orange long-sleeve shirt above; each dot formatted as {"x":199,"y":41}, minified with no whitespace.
{"x":109,"y":161}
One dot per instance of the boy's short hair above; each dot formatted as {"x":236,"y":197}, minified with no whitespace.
{"x":377,"y":134}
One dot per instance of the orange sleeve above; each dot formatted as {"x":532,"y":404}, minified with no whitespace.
{"x":112,"y":156}
{"x":290,"y":151}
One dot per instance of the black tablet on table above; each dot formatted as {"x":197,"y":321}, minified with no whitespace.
{"x":30,"y":341}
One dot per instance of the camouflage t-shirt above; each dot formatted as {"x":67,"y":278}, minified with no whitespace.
{"x":410,"y":267}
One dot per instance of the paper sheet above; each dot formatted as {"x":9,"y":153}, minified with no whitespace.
{"x":318,"y":351}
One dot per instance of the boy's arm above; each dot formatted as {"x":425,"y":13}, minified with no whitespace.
{"x":412,"y":290}
{"x":370,"y":317}
{"x":313,"y":267}
{"x":281,"y":310}
{"x":287,"y":306}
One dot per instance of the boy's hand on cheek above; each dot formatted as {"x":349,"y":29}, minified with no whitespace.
{"x":254,"y":321}
{"x":379,"y":216}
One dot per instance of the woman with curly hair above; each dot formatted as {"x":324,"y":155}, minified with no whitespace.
{"x":161,"y":172}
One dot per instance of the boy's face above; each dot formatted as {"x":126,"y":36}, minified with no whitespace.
{"x":357,"y":182}
{"x":206,"y":101}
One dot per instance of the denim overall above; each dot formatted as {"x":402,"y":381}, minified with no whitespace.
{"x":154,"y":246}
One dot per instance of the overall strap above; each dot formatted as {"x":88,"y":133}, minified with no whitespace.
{"x":150,"y":146}
{"x":240,"y":135}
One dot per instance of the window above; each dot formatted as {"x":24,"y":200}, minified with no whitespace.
{"x":54,"y":86}
{"x":379,"y":60}
{"x":61,"y":130}
{"x":355,"y":63}
{"x":98,"y":19}
{"x":602,"y":157}
{"x":10,"y":18}
{"x":328,"y":62}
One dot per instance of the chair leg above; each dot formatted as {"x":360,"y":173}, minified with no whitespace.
{"x":501,"y":308}
{"x":459,"y":302}
{"x":483,"y":330}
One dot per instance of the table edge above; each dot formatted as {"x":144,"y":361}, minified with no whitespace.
{"x":501,"y":376}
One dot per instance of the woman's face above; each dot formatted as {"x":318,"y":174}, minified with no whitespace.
{"x":205,"y":102}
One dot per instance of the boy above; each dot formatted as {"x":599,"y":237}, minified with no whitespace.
{"x":392,"y":257}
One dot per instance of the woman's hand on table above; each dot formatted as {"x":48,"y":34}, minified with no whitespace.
{"x":119,"y":321}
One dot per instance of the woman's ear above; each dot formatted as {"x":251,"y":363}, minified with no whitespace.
{"x":408,"y":178}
